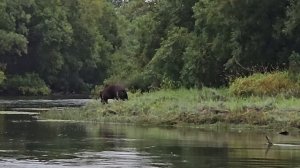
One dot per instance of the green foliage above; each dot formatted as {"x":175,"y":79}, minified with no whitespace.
{"x":292,"y":22}
{"x":167,"y":60}
{"x":68,"y":43}
{"x":12,"y":43}
{"x":146,"y":81}
{"x":2,"y":77}
{"x":276,"y":83}
{"x":29,"y":84}
{"x":177,"y":13}
{"x":167,"y":83}
{"x":201,"y":66}
{"x":140,"y":36}
{"x":95,"y":92}
{"x":154,"y":37}
{"x":75,"y":45}
{"x":12,"y":27}
{"x":231,"y":39}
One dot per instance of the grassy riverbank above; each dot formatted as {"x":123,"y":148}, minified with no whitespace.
{"x":196,"y":107}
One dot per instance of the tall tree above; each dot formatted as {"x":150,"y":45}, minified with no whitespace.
{"x":13,"y":32}
{"x":146,"y":27}
{"x":49,"y":35}
{"x":168,"y":62}
{"x":94,"y":40}
{"x":233,"y":36}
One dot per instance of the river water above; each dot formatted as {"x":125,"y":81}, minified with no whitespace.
{"x":74,"y":144}
{"x":55,"y":144}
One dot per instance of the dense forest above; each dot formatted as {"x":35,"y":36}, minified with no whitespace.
{"x":70,"y":46}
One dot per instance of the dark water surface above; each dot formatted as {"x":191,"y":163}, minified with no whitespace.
{"x":73,"y":144}
{"x":41,"y":103}
{"x":29,"y":108}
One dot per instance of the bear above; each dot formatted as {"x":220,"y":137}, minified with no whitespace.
{"x":113,"y":92}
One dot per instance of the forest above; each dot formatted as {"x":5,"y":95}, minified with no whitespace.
{"x":71,"y":46}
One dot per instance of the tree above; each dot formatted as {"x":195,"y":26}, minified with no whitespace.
{"x":94,"y":40}
{"x":168,"y":61}
{"x":49,"y":35}
{"x":138,"y":39}
{"x":232,"y":37}
{"x":67,"y":43}
{"x":70,"y":42}
{"x":13,"y":31}
{"x":146,"y":27}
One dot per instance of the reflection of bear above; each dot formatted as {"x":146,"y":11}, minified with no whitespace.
{"x":113,"y":92}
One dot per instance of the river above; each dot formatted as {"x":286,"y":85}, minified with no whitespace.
{"x":73,"y":144}
{"x":55,"y":144}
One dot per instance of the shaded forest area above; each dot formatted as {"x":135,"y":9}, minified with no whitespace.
{"x":70,"y":46}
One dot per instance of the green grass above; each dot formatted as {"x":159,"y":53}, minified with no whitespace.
{"x":189,"y":106}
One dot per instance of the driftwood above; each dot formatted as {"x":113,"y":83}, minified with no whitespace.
{"x":270,"y":144}
{"x":269,"y":141}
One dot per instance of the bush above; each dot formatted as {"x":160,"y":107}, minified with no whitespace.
{"x":144,"y":82}
{"x":265,"y":84}
{"x":29,"y":84}
{"x":95,"y":92}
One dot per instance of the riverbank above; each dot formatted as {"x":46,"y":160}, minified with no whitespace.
{"x":189,"y":106}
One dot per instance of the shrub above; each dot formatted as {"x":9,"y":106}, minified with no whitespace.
{"x":95,"y":92}
{"x":29,"y":84}
{"x":144,"y":81}
{"x":265,"y":84}
{"x":168,"y":83}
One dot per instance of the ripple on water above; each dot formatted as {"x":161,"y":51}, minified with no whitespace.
{"x":124,"y":158}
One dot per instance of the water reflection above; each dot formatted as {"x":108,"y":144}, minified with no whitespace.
{"x":41,"y":103}
{"x":59,"y":144}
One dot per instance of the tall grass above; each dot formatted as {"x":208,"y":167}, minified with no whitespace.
{"x":189,"y":106}
{"x":270,"y":84}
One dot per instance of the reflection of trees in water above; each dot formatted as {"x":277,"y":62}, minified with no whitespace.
{"x":53,"y":140}
{"x":23,"y":137}
{"x":181,"y":155}
{"x":181,"y":147}
{"x":65,"y":135}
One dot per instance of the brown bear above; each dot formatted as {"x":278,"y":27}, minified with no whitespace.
{"x":113,"y":92}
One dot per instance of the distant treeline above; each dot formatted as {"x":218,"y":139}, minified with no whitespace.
{"x":70,"y":46}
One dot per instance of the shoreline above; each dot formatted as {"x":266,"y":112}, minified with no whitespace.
{"x":193,"y":107}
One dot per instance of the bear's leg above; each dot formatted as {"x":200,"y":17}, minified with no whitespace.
{"x":104,"y":100}
{"x":117,"y":95}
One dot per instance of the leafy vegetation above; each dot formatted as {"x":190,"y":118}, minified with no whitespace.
{"x":67,"y":43}
{"x":29,"y":84}
{"x":75,"y":45}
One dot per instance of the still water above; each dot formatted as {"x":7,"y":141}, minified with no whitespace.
{"x":54,"y":144}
